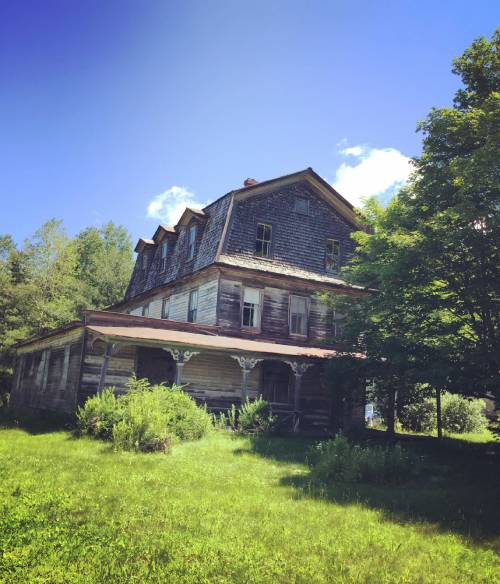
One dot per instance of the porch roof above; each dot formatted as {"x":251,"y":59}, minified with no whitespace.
{"x":191,"y":339}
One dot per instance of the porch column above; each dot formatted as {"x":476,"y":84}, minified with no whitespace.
{"x":298,"y":368}
{"x":111,"y":348}
{"x":246,"y":364}
{"x":180,"y":357}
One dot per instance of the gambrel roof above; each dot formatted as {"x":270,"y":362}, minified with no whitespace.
{"x":217,"y":221}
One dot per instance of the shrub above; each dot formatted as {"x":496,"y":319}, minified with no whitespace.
{"x":145,"y":422}
{"x":145,"y":419}
{"x":420,"y":416}
{"x":99,"y":414}
{"x":340,"y":460}
{"x":460,"y":415}
{"x":256,"y":416}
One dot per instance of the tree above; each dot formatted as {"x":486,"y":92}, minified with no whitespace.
{"x":105,"y":262}
{"x":53,"y":278}
{"x":433,"y":254}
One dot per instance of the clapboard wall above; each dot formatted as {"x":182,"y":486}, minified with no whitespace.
{"x":47,"y":372}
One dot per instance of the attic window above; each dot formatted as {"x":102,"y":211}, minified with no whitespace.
{"x":144,"y":261}
{"x":164,"y":256}
{"x":302,"y":205}
{"x":263,"y":240}
{"x":332,"y":256}
{"x":192,"y":240}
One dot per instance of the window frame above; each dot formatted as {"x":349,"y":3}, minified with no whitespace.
{"x":165,"y":302}
{"x":258,"y":240}
{"x":307,"y":302}
{"x":145,"y":310}
{"x":191,"y":247}
{"x":256,"y":327}
{"x":338,"y":325}
{"x":163,"y":256}
{"x":307,"y":202}
{"x":193,"y":293}
{"x":330,"y":256}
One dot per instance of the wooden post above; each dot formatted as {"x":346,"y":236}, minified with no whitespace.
{"x":104,"y":368}
{"x":180,"y":357}
{"x":439,"y":420}
{"x":246,"y":364}
{"x":298,"y":370}
{"x":179,"y":367}
{"x":64,"y":377}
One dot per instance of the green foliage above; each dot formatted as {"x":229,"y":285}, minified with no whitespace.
{"x":252,"y":417}
{"x":52,"y":278}
{"x":462,"y":415}
{"x":433,"y":254}
{"x":99,"y":414}
{"x":419,"y":416}
{"x":341,"y":460}
{"x":145,"y":423}
{"x":146,"y":418}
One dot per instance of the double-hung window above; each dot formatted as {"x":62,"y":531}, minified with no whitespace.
{"x":145,"y":310}
{"x":263,"y":240}
{"x":298,"y":315}
{"x":165,"y":307}
{"x":251,"y":310}
{"x":193,"y":305}
{"x":192,"y":240}
{"x":332,"y":255}
{"x":164,"y":256}
{"x":338,"y":324}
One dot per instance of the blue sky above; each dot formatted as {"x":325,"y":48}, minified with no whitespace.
{"x":110,"y":109}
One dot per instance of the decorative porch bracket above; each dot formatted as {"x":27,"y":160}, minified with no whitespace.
{"x":111,"y":349}
{"x":246,"y":364}
{"x":298,"y":368}
{"x":180,"y":357}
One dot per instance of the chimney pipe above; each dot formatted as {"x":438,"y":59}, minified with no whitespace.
{"x":249,"y":182}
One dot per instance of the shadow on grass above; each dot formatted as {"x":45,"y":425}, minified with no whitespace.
{"x":37,"y":423}
{"x":457,"y":491}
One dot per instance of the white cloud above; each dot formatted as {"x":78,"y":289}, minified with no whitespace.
{"x":169,"y":205}
{"x":377,"y":171}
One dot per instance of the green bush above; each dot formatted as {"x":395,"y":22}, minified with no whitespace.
{"x":146,"y":418}
{"x":255,"y":416}
{"x":420,"y":416}
{"x":461,"y":415}
{"x":99,"y":414}
{"x":145,"y":422}
{"x":340,"y":460}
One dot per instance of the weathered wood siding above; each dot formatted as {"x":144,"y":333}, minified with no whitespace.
{"x":47,"y":372}
{"x":207,"y":286}
{"x":120,"y":367}
{"x":275,"y":311}
{"x":215,"y":379}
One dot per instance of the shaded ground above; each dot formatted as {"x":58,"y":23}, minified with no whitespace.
{"x":458,"y":489}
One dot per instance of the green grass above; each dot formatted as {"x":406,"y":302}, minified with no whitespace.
{"x":231,"y":510}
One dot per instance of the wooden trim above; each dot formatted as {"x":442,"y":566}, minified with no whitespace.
{"x":222,"y":242}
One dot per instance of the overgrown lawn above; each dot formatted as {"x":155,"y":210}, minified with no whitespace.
{"x":233,"y":509}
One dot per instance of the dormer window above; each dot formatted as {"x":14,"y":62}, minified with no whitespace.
{"x":263,"y":240}
{"x":164,"y":255}
{"x":144,"y":261}
{"x":332,"y":256}
{"x":193,"y":229}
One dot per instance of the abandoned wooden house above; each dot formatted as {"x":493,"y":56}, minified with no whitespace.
{"x":223,"y":303}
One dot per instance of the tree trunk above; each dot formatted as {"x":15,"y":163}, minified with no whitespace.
{"x":391,"y":414}
{"x":438,"y":413}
